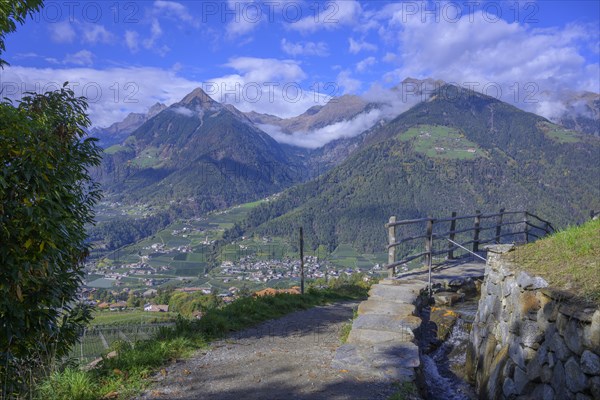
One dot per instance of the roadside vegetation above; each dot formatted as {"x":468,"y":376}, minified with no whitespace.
{"x":126,"y":373}
{"x":405,"y":391}
{"x":568,"y":259}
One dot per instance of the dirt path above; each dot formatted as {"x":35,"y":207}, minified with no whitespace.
{"x":287,"y":358}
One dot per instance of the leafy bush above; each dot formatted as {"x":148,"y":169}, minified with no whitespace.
{"x":46,"y":199}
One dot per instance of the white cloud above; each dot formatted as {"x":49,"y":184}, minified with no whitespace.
{"x":132,"y":39}
{"x":87,"y":32}
{"x":112,"y":93}
{"x":365,"y":64}
{"x":356,"y":46}
{"x":95,"y":33}
{"x":248,"y":15}
{"x":389,"y":57}
{"x":393,"y":102}
{"x":83,"y":58}
{"x":115,"y":92}
{"x":155,"y":33}
{"x":305,"y":48}
{"x":177,"y":15}
{"x":62,"y":32}
{"x":183,"y":111}
{"x":331,"y":15}
{"x":320,"y":137}
{"x":523,"y":61}
{"x":265,"y":85}
{"x":345,"y":80}
{"x":267,"y":69}
{"x":176,"y":11}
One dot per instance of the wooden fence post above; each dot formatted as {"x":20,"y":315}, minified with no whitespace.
{"x":301,"y":262}
{"x":429,"y":248}
{"x":429,"y":240}
{"x":452,"y":236}
{"x":476,"y":234}
{"x":526,"y":230}
{"x":499,"y":225}
{"x":391,"y":249}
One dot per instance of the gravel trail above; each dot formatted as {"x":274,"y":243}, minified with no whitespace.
{"x":288,"y":358}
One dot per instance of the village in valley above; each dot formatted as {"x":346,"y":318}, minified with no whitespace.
{"x":181,"y":259}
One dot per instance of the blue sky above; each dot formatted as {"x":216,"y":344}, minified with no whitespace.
{"x":282,"y":57}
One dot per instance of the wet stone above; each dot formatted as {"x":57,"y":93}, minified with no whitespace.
{"x":575,"y":378}
{"x":385,"y":307}
{"x":543,"y":392}
{"x":572,"y":337}
{"x":559,"y":348}
{"x":534,"y":368}
{"x":393,"y":293}
{"x":595,"y":387}
{"x":370,"y":336}
{"x":515,"y":353}
{"x":546,"y":374}
{"x":558,"y":378}
{"x":590,"y":363}
{"x":520,"y":378}
{"x":385,"y":323}
{"x":530,"y":333}
{"x":527,"y":282}
{"x":508,"y":388}
{"x":448,"y":298}
{"x":594,"y":338}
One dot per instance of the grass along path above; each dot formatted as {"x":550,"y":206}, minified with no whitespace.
{"x":128,"y":374}
{"x":569,"y":259}
{"x":286,"y":358}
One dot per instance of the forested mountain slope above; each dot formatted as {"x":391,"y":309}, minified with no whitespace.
{"x":459,"y":151}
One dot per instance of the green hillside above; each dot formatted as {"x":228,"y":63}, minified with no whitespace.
{"x":518,"y":161}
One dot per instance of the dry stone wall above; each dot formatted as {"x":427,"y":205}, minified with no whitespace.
{"x":530,"y":341}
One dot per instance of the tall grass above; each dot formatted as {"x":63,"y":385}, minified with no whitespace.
{"x":69,"y":384}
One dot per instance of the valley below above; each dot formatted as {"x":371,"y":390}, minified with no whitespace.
{"x":198,"y":198}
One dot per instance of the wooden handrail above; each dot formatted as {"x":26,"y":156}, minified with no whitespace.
{"x":536,"y":227}
{"x":540,"y":219}
{"x":477,"y":228}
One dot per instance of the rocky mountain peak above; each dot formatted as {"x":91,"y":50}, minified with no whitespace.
{"x":198,"y":97}
{"x":155,"y":109}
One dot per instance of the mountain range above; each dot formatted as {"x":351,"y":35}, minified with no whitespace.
{"x":456,"y":150}
{"x":119,"y":131}
{"x":200,"y":153}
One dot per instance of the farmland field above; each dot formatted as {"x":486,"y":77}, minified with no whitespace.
{"x":442,"y":142}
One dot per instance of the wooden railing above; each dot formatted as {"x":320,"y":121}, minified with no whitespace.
{"x":429,"y":237}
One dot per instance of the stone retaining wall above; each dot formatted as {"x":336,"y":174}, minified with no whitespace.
{"x":529,"y":341}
